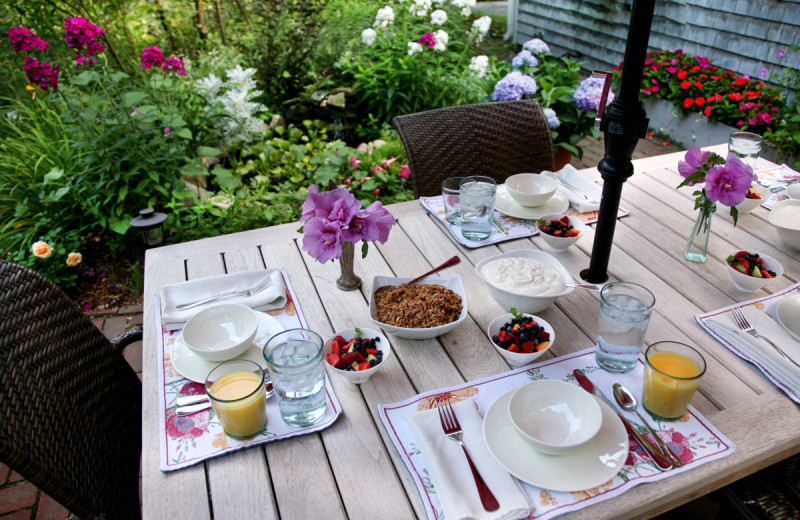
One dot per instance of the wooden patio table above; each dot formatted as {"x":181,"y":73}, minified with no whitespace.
{"x":352,"y":469}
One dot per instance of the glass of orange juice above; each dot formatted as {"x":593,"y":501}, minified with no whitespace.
{"x":236,"y":391}
{"x":672,"y":373}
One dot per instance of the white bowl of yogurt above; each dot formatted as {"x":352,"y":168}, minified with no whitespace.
{"x":785,"y":216}
{"x":528,"y":280}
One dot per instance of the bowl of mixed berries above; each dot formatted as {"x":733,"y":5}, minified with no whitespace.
{"x":356,"y":354}
{"x":752,"y":271}
{"x":560,"y":231}
{"x":520,"y":338}
{"x":755,"y":197}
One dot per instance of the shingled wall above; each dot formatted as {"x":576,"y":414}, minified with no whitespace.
{"x":741,"y":35}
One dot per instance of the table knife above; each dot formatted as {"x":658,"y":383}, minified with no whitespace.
{"x":662,"y":462}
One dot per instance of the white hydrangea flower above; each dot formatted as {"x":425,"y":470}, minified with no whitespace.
{"x":420,"y":7}
{"x":441,"y":38}
{"x":384,"y":18}
{"x":368,"y":36}
{"x":458,"y":4}
{"x":478,"y":65}
{"x":465,"y":12}
{"x":479,"y":29}
{"x":413,"y":48}
{"x":439,"y":17}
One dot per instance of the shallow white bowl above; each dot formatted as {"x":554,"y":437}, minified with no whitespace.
{"x":453,"y":283}
{"x":793,"y":190}
{"x":749,"y":205}
{"x":746,"y":283}
{"x":522,"y":302}
{"x":531,"y":189}
{"x":518,"y":359}
{"x":221,"y":332}
{"x":553,"y":416}
{"x":788,"y":233}
{"x":361,"y":376}
{"x":560,"y":244}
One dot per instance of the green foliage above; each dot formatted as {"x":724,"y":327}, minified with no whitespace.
{"x":785,"y":133}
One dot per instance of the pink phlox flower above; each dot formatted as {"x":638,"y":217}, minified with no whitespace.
{"x":729,"y":183}
{"x":175,"y":64}
{"x":405,"y":171}
{"x":695,"y":158}
{"x":23,"y":40}
{"x":40,"y":73}
{"x":80,"y":33}
{"x":672,"y":70}
{"x":322,"y":239}
{"x":151,"y":57}
{"x":354,"y":162}
{"x":428,"y":39}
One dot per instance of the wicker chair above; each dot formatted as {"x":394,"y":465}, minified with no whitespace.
{"x":71,"y":404}
{"x":493,"y":139}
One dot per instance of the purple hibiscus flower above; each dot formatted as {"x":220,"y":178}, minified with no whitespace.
{"x":730,"y":183}
{"x":694,"y":160}
{"x":322,"y":239}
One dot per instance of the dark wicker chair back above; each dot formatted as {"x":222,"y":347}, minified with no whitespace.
{"x":71,"y":404}
{"x":493,"y":139}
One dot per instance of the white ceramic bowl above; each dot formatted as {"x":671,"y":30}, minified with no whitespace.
{"x":221,"y":332}
{"x":531,"y":189}
{"x":749,"y":205}
{"x":748,"y":283}
{"x":518,"y":359}
{"x":553,"y":416}
{"x":781,"y":213}
{"x":453,"y":283}
{"x":560,"y":244}
{"x":522,"y":302}
{"x":793,"y":190}
{"x":360,"y":376}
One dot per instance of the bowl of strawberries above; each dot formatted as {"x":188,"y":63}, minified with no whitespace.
{"x":356,"y":354}
{"x":520,"y":338}
{"x":752,"y":271}
{"x":560,"y":231}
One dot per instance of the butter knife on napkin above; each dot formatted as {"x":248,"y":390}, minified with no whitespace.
{"x":450,"y":472}
{"x":569,"y":175}
{"x":273,"y":297}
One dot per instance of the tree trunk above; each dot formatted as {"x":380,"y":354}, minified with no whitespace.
{"x":219,"y":21}
{"x":244,"y":14}
{"x":167,"y":29}
{"x":201,"y":20}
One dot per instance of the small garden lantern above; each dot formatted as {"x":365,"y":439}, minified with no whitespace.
{"x":151,"y":224}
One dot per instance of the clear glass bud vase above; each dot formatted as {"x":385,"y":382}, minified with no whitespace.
{"x":348,"y":281}
{"x":697,"y":247}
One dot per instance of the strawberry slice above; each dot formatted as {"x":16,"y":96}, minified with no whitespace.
{"x":348,"y":358}
{"x":565,"y":220}
{"x":528,"y":347}
{"x":543,"y":336}
{"x":513,"y":348}
{"x":333,"y":359}
{"x":364,"y":365}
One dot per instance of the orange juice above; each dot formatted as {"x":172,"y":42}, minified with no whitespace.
{"x":239,"y":401}
{"x":670,"y":380}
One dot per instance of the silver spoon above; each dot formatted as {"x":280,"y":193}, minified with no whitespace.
{"x":626,"y":400}
{"x":589,"y":286}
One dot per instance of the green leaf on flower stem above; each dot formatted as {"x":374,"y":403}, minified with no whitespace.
{"x":735,"y":215}
{"x":185,"y":133}
{"x":226,"y":178}
{"x":174,"y":121}
{"x":208,"y":151}
{"x":60,"y":192}
{"x":118,"y":76}
{"x":325,"y":173}
{"x":118,"y":225}
{"x":364,"y":248}
{"x":131,"y":99}
{"x":123,"y":191}
{"x":54,"y":174}
{"x":147,"y":111}
{"x":84,"y":78}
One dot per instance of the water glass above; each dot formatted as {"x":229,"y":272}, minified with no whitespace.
{"x":451,"y":189}
{"x":477,"y":207}
{"x":746,"y":145}
{"x":672,"y":373}
{"x":294,"y":361}
{"x":625,"y":310}
{"x":236,"y":391}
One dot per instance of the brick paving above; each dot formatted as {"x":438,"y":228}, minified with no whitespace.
{"x":20,"y":500}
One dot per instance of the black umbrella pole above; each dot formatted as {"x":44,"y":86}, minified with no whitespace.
{"x":624,"y":123}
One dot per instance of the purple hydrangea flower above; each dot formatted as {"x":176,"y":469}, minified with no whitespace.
{"x":552,"y":118}
{"x":151,"y":57}
{"x":40,"y":73}
{"x":524,"y":58}
{"x":514,"y":86}
{"x":730,"y":183}
{"x":175,"y":64}
{"x":694,"y":160}
{"x":536,"y":46}
{"x":23,"y":40}
{"x":587,"y":97}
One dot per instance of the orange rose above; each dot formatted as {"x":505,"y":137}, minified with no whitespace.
{"x":74,"y":259}
{"x":41,"y":249}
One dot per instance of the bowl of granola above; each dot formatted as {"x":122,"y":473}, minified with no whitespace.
{"x":425,"y":310}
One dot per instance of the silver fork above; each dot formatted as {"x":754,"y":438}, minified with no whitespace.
{"x":744,"y":325}
{"x":452,"y":429}
{"x":247,"y":292}
{"x":579,"y":190}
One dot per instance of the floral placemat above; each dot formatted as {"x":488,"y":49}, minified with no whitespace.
{"x":505,"y":227}
{"x":693,"y":437}
{"x":776,"y":179}
{"x":190,"y":439}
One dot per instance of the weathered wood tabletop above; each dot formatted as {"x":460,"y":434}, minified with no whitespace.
{"x":352,"y":469}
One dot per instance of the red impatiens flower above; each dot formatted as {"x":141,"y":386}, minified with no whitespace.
{"x":686,"y":84}
{"x":700,"y":101}
{"x":736,"y":96}
{"x":698,"y":85}
{"x":681,"y":74}
{"x":740,"y":81}
{"x":688,"y":102}
{"x":707,"y":111}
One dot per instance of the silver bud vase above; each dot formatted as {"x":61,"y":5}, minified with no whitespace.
{"x":348,"y":281}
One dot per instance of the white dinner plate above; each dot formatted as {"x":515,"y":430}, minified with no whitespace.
{"x":589,"y":466}
{"x":788,"y":313}
{"x":194,"y":368}
{"x":503,"y":203}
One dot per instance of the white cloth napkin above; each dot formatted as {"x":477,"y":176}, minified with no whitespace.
{"x":450,"y":472}
{"x":570,"y":175}
{"x":272,"y":297}
{"x":771,"y":362}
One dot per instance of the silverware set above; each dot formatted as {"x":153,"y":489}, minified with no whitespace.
{"x":247,"y":292}
{"x":744,"y":326}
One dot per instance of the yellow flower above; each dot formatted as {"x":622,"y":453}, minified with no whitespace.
{"x":30,"y":88}
{"x":74,"y":259}
{"x":42,"y":250}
